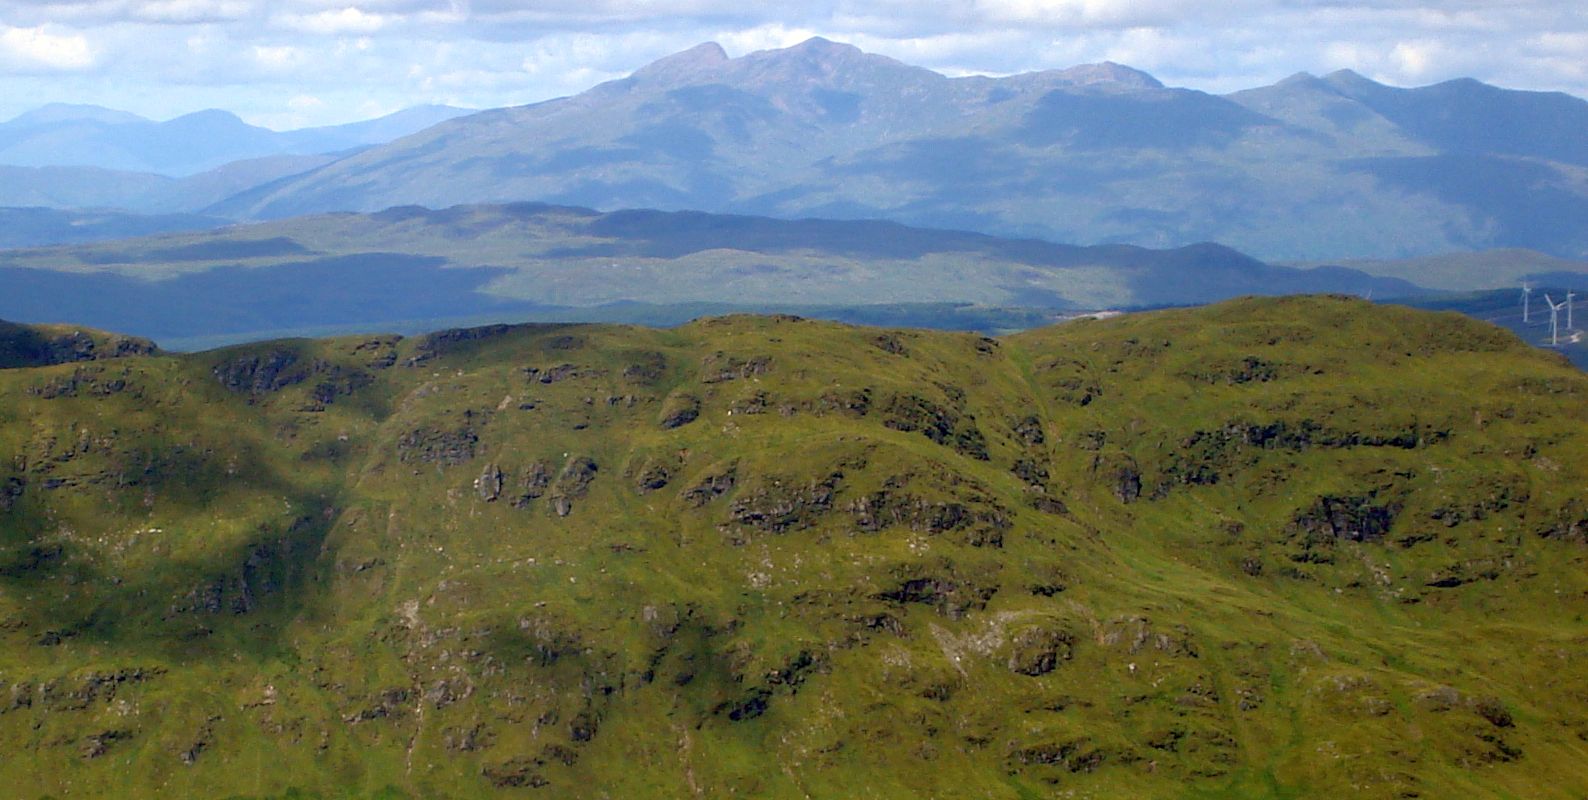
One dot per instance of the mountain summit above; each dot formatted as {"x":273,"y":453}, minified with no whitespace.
{"x":1322,"y":168}
{"x":692,"y":63}
{"x":1109,"y":74}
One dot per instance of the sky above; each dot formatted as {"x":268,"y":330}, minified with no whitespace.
{"x":297,"y":63}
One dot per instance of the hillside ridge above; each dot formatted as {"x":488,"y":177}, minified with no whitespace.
{"x":1295,"y":547}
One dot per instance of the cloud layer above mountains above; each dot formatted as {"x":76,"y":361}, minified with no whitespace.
{"x":291,"y":63}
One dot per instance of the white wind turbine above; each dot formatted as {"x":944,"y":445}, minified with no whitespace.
{"x":1527,"y":297}
{"x":1554,"y":319}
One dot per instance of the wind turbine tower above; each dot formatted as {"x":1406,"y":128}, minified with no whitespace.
{"x":1569,"y":295}
{"x":1527,"y":296}
{"x":1554,"y":320}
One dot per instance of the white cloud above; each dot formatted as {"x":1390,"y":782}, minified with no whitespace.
{"x":763,"y":37}
{"x":349,"y":19}
{"x":164,"y":57}
{"x":1086,"y":13}
{"x":1558,"y":43}
{"x":38,"y":48}
{"x":1416,"y":59}
{"x":277,"y":57}
{"x":190,"y":11}
{"x":305,"y":102}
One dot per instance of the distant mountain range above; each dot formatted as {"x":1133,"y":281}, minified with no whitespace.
{"x":411,"y":268}
{"x":1309,"y":169}
{"x":62,"y":135}
{"x":1330,"y":167}
{"x":97,"y":189}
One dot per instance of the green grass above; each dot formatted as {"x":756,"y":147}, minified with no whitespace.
{"x":278,"y":560}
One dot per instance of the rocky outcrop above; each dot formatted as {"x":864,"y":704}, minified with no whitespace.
{"x":786,"y":678}
{"x":1074,"y":756}
{"x":42,"y":346}
{"x":572,"y":484}
{"x":941,"y":589}
{"x":1037,"y":650}
{"x":490,"y":483}
{"x":854,"y":403}
{"x":1127,"y":482}
{"x":11,"y":489}
{"x":913,"y":413}
{"x":388,"y":703}
{"x":890,"y":343}
{"x":1249,"y":369}
{"x":752,"y":404}
{"x":555,"y":374}
{"x":1136,"y":634}
{"x":781,"y":505}
{"x":711,"y":487}
{"x":202,"y":740}
{"x":518,"y":773}
{"x":1029,"y":431}
{"x":83,"y":382}
{"x":261,"y":373}
{"x":1030,"y":472}
{"x":1569,"y":523}
{"x":720,"y":367}
{"x":440,"y":343}
{"x":378,"y":352}
{"x":447,"y":448}
{"x":891,"y":508}
{"x":1465,"y":572}
{"x":680,"y":409}
{"x":263,"y":571}
{"x":98,"y":744}
{"x":1209,"y":456}
{"x":653,"y":476}
{"x":1048,"y":581}
{"x":88,"y":691}
{"x":467,"y":740}
{"x":1353,"y":519}
{"x":647,"y":369}
{"x":532,"y":484}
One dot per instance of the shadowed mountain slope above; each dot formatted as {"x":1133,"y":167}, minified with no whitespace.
{"x":48,"y":345}
{"x":410,"y":264}
{"x":36,"y":226}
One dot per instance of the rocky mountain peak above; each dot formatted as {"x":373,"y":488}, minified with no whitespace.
{"x":698,"y":60}
{"x":1109,"y":75}
{"x":820,"y":62}
{"x":1300,"y":79}
{"x":818,"y":47}
{"x":1345,"y":80}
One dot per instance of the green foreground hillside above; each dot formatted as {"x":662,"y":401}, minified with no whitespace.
{"x":1268,"y":549}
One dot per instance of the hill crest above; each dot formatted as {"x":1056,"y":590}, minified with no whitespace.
{"x":1174,"y":552}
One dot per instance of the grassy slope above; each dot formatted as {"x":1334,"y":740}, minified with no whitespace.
{"x":276,"y":562}
{"x":1503,"y":307}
